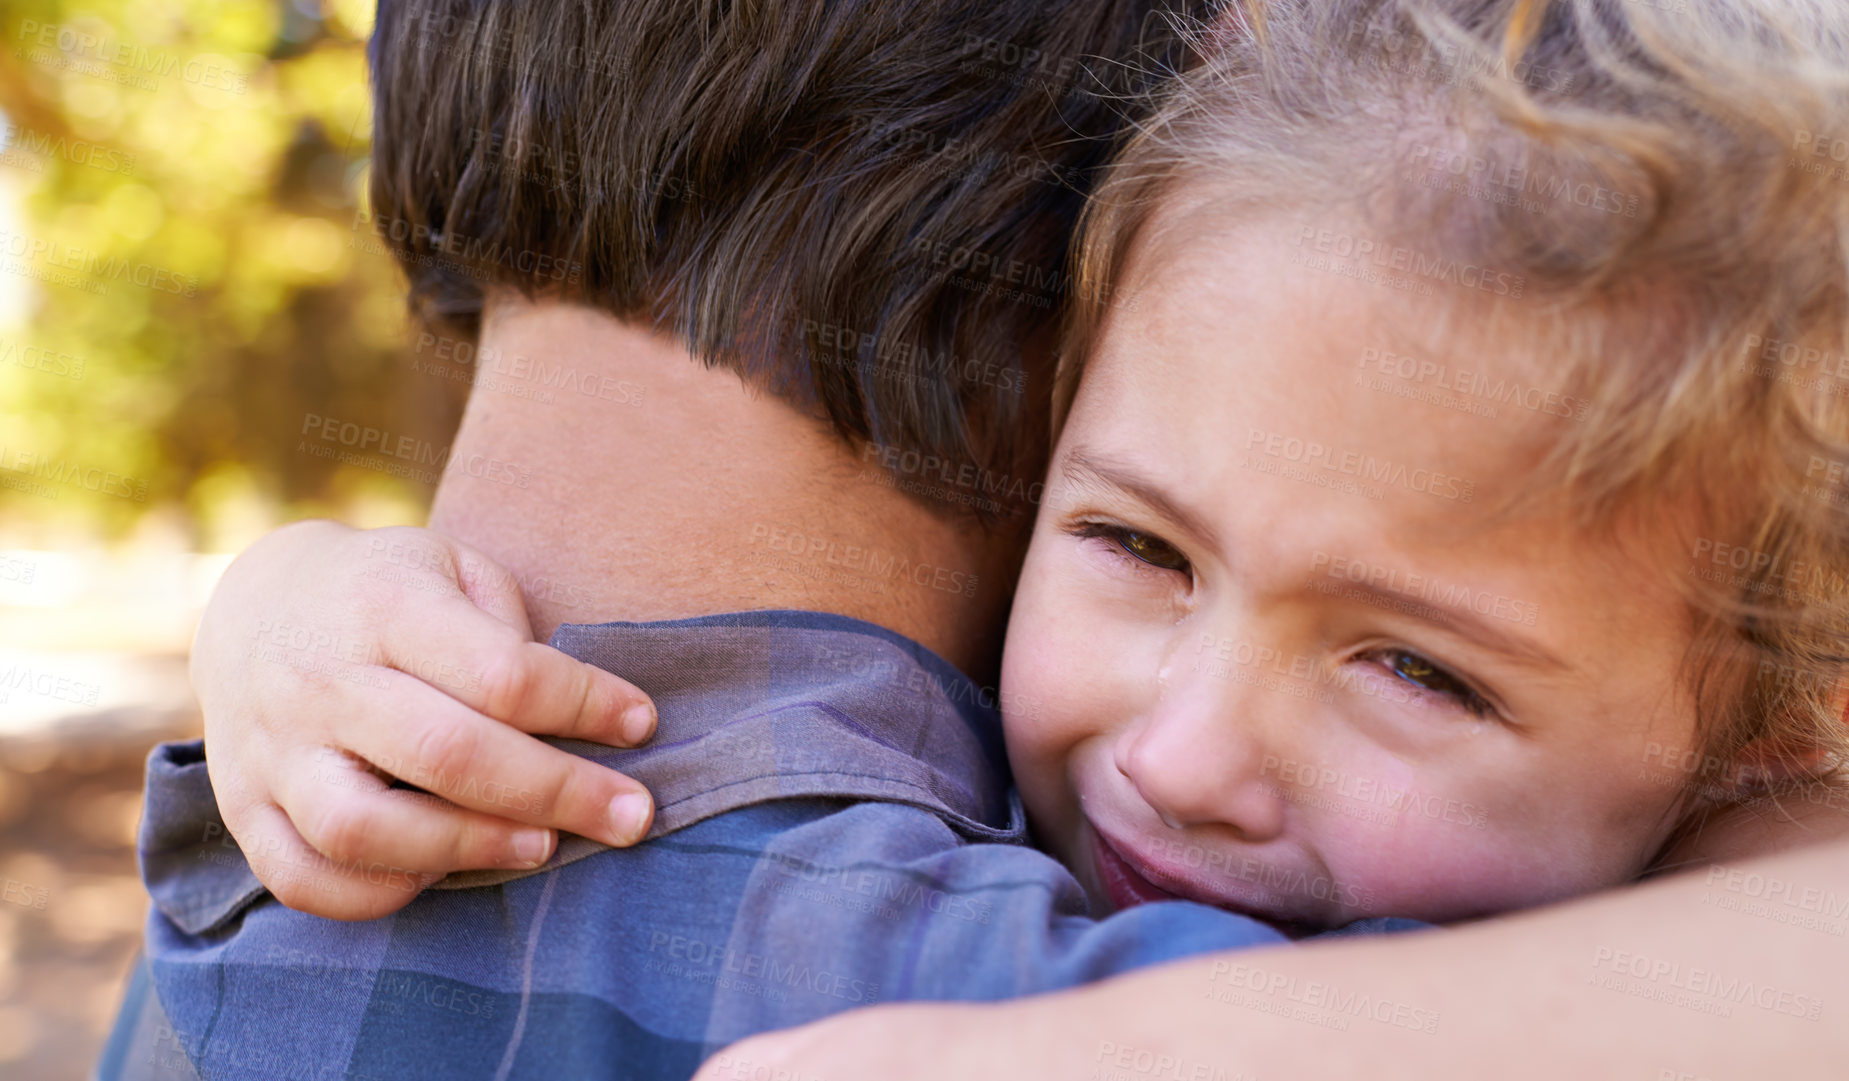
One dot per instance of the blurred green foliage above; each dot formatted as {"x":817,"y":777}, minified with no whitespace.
{"x":181,"y":278}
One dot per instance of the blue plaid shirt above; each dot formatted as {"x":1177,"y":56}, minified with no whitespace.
{"x":834,"y":828}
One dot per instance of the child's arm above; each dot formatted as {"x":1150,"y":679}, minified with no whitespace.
{"x":330,"y":657}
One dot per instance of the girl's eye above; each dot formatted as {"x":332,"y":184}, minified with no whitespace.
{"x":1144,"y":547}
{"x":1423,"y":674}
{"x":1153,"y":550}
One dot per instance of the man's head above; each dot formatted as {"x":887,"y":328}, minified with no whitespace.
{"x":864,"y":208}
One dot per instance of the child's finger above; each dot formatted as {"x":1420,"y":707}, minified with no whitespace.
{"x":349,"y":814}
{"x":428,"y":739}
{"x":494,"y":669}
{"x":307,"y":881}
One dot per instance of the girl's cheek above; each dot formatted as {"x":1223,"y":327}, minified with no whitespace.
{"x":1454,"y":861}
{"x":1403,"y":869}
{"x":1045,"y":708}
{"x":1047,"y":675}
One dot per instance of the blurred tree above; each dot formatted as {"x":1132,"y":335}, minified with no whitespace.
{"x":183,"y":279}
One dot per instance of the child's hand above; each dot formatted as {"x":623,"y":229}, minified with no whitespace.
{"x":331,"y":660}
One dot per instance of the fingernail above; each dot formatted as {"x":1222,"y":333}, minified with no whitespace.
{"x":531,"y":847}
{"x":638,"y":722}
{"x":629,"y":817}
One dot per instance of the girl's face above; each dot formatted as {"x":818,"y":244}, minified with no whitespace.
{"x":1270,"y":650}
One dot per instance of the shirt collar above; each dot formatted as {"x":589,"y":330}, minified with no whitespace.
{"x":782,"y":704}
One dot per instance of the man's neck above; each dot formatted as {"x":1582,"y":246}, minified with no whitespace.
{"x":619,"y":478}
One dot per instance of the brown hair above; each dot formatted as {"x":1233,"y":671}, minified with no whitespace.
{"x":864,"y":208}
{"x":1710,"y":250}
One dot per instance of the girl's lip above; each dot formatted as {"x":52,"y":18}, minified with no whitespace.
{"x":1122,"y":883}
{"x":1127,"y":887}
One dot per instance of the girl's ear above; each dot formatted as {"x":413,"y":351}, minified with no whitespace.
{"x":1774,"y":760}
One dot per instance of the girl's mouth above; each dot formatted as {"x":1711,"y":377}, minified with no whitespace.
{"x":1127,"y":886}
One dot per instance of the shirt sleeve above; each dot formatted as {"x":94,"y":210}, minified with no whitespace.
{"x":912,"y":913}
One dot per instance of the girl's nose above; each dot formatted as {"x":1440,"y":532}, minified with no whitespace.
{"x":1197,"y":758}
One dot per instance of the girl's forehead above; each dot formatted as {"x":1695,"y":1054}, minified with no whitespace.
{"x":1297,"y":413}
{"x":1250,"y":315}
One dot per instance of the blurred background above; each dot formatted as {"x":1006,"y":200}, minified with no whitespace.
{"x":184,"y":280}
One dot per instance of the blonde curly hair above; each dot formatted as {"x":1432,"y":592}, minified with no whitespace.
{"x":1689,"y":261}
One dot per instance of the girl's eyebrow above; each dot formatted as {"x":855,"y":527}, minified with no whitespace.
{"x":1463,"y":623}
{"x":1089,"y":467}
